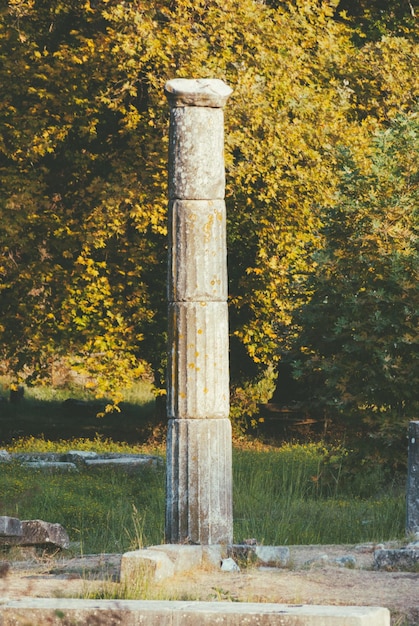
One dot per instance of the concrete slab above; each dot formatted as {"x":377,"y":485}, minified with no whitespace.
{"x":56,"y":612}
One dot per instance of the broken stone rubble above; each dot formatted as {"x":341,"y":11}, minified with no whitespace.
{"x":77,"y":459}
{"x":403,"y":559}
{"x":14,"y":532}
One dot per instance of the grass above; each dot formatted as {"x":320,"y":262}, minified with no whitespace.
{"x":295,"y":494}
{"x":306,"y":494}
{"x":101,"y":510}
{"x":290,"y":494}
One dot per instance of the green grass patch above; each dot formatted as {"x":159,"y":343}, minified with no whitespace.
{"x":308,"y":494}
{"x":293,"y":494}
{"x":106,"y":511}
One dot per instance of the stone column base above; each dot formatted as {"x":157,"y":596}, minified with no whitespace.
{"x":199,"y":482}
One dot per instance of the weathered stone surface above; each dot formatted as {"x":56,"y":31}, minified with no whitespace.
{"x":34,"y":457}
{"x":146,"y":564}
{"x":275,"y":556}
{"x":196,"y":154}
{"x":38,"y":533}
{"x":201,"y":92}
{"x":10,"y":526}
{"x":198,"y":373}
{"x":56,"y":612}
{"x":272,"y":556}
{"x":173,"y":559}
{"x":184,"y":558}
{"x":127,"y":462}
{"x":229,"y":565}
{"x":213,"y":555}
{"x":5,"y":457}
{"x":348,"y":560}
{"x":197,"y":251}
{"x":75,"y":460}
{"x":412,"y":496}
{"x":199,"y":482}
{"x":395,"y":560}
{"x":77,"y":456}
{"x":51,"y":465}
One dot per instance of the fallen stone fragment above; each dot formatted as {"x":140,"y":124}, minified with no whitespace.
{"x":51,"y":465}
{"x":78,"y":459}
{"x":318,"y":560}
{"x":79,"y":456}
{"x":125,"y":461}
{"x":34,"y":457}
{"x":348,"y":560}
{"x":229,"y":565}
{"x":271,"y":556}
{"x":397,"y":560}
{"x":40,"y":533}
{"x":10,"y":526}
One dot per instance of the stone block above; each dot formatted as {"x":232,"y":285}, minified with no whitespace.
{"x":274,"y":556}
{"x":229,"y":565}
{"x":270,"y":556}
{"x":40,"y":533}
{"x":213,"y":555}
{"x":412,"y":495}
{"x":56,"y":612}
{"x":196,"y":154}
{"x":205,"y":516}
{"x":183,"y":557}
{"x":404,"y":559}
{"x":198,"y":376}
{"x":51,"y":466}
{"x":197,"y":251}
{"x":150,"y":564}
{"x":79,"y":456}
{"x":10,"y":526}
{"x":125,"y":462}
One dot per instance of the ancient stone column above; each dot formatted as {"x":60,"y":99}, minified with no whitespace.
{"x":412,"y":497}
{"x":199,"y":467}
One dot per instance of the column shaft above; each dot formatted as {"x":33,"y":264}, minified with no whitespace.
{"x":199,"y":471}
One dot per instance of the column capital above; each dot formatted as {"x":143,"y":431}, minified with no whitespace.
{"x":197,"y":92}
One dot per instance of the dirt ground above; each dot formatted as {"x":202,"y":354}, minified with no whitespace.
{"x":313,"y":576}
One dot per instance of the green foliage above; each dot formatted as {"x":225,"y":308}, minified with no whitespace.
{"x":83,"y":169}
{"x":359,"y":339}
{"x":374,"y":18}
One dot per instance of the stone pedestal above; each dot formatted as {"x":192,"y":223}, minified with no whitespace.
{"x":199,"y":474}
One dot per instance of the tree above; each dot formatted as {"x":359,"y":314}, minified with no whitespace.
{"x":83,"y":168}
{"x":358,"y":345}
{"x":374,"y":18}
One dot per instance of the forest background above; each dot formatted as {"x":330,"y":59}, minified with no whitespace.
{"x":321,"y":151}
